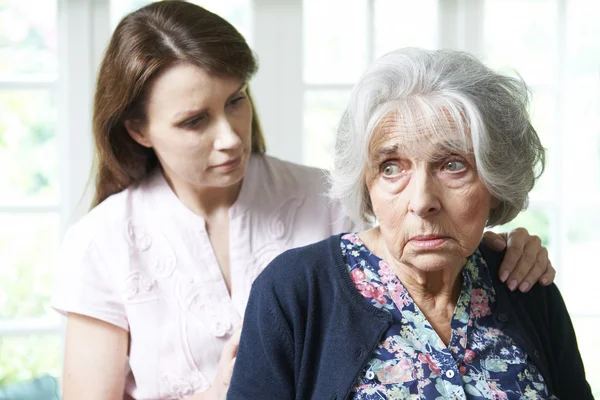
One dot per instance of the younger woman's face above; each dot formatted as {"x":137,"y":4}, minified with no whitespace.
{"x":199,"y":125}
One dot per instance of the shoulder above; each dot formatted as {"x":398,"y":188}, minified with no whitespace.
{"x":297,"y":191}
{"x":301,"y":265}
{"x":539,"y":300}
{"x":103,"y":223}
{"x":493,"y":260}
{"x":288,"y":174}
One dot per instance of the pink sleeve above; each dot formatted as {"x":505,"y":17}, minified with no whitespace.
{"x":83,"y":284}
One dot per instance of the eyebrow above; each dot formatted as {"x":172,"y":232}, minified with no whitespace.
{"x":387,"y":151}
{"x":396,"y":149}
{"x":183,"y":115}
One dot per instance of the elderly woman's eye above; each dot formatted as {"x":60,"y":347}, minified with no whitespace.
{"x":390,"y":169}
{"x":454,"y":166}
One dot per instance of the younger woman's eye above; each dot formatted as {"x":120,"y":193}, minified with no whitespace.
{"x":236,"y":101}
{"x":454,"y":166}
{"x":195,"y":122}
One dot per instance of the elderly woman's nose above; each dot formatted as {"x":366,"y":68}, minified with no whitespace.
{"x":424,"y":200}
{"x":225,"y":135}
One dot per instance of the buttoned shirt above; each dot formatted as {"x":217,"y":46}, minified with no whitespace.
{"x":142,"y":261}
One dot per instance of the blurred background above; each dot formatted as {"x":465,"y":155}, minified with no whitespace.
{"x":310,"y":54}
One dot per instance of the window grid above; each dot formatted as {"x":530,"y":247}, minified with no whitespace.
{"x":454,"y":32}
{"x":77,"y":60}
{"x":552,"y":202}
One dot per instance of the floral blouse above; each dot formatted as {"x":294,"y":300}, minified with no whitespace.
{"x":412,"y":362}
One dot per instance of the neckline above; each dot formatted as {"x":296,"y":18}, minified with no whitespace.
{"x":163,"y":195}
{"x":348,"y":286}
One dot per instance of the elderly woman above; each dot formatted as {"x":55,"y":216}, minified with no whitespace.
{"x":434,"y":146}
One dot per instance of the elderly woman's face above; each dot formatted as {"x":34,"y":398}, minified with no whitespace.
{"x":428,"y":198}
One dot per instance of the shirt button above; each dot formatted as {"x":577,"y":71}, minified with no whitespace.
{"x":449,"y":374}
{"x":502,"y":317}
{"x":221,"y":328}
{"x":370,"y":375}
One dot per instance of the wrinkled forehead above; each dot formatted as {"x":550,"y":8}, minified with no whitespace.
{"x":424,"y":134}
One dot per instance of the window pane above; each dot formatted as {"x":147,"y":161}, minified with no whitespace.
{"x":581,"y":170}
{"x":237,"y":12}
{"x":28,"y":147}
{"x":322,"y":112}
{"x":543,"y":118}
{"x":28,"y":39}
{"x":581,"y":144}
{"x":28,"y":243}
{"x":528,"y":43}
{"x":405,"y":23}
{"x":580,"y":273}
{"x":334,"y":48}
{"x":586,"y":329}
{"x":535,"y":220}
{"x":583,"y":39}
{"x":28,"y":357}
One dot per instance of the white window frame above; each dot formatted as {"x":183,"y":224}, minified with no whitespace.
{"x":279,"y":44}
{"x":460,"y":26}
{"x":83,"y":30}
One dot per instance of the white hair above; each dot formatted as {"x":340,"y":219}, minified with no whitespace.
{"x":426,"y":89}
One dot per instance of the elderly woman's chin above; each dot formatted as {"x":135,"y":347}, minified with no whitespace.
{"x":450,"y":255}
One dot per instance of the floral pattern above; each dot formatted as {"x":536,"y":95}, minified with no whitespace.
{"x":412,"y":362}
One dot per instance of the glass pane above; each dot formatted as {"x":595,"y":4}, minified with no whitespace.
{"x":28,"y":147}
{"x":543,"y":113}
{"x":28,"y":243}
{"x":529,"y":44}
{"x":28,"y":39}
{"x":237,"y":12}
{"x":580,"y":260}
{"x":405,"y":23}
{"x":581,"y":145}
{"x":28,"y":357}
{"x":543,"y":117}
{"x":535,"y":220}
{"x":334,"y":48}
{"x":322,"y":112}
{"x":581,"y":167}
{"x":583,"y":39}
{"x":586,"y":329}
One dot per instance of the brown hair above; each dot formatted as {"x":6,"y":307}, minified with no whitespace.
{"x":145,"y":43}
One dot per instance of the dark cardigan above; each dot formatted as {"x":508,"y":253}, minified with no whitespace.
{"x":308,"y":333}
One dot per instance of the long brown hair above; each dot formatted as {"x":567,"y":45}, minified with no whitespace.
{"x":144,"y":44}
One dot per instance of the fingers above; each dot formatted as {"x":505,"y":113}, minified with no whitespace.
{"x":231,"y":347}
{"x":228,"y":356}
{"x":229,"y":374}
{"x":548,"y":277}
{"x":494,"y":241}
{"x":536,"y":272}
{"x":517,"y":239}
{"x":534,"y":260}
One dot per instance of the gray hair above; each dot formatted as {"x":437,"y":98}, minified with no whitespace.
{"x":489,"y":110}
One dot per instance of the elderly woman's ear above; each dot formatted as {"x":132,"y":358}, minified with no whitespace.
{"x":526,"y":261}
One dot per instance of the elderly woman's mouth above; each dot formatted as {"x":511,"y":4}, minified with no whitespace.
{"x":428,"y":242}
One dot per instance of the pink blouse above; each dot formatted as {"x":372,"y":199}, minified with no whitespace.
{"x":142,"y":261}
